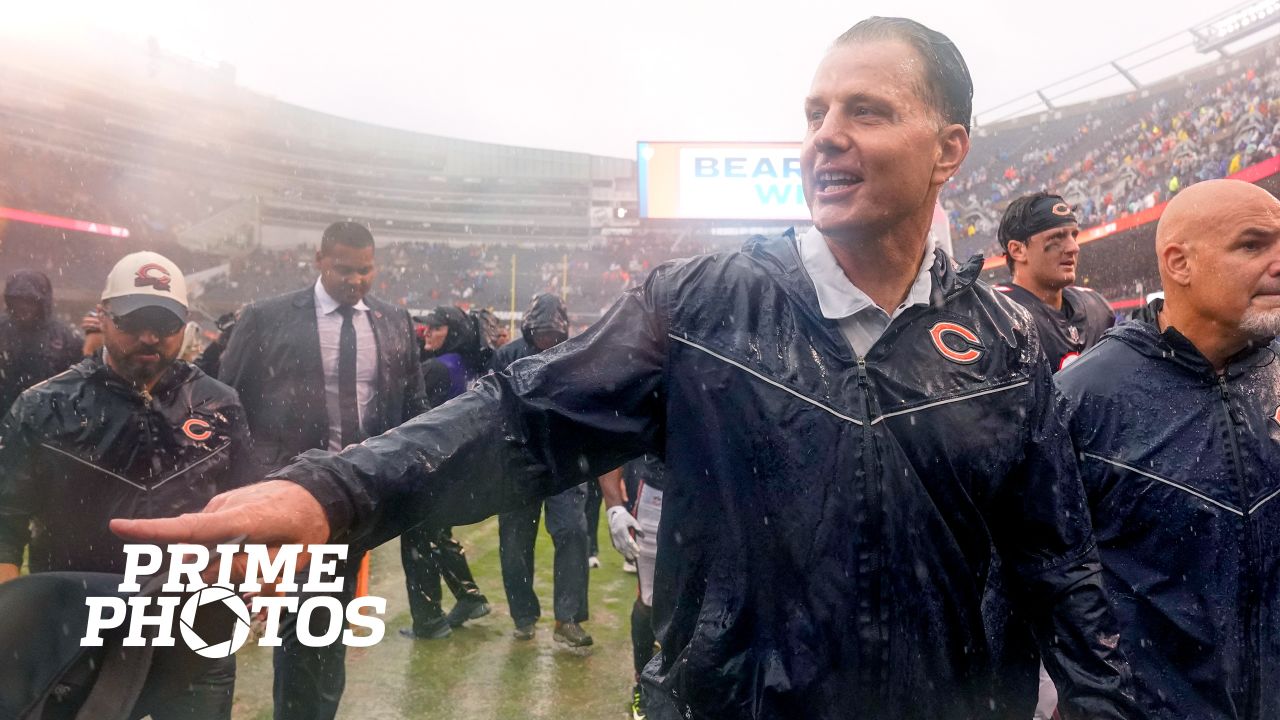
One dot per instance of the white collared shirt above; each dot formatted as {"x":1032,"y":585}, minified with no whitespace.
{"x":861,"y":321}
{"x":329,"y":325}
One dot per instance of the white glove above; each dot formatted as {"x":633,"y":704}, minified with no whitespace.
{"x":620,"y":526}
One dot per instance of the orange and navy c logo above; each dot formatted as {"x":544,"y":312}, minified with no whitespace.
{"x":1061,"y":209}
{"x":154,"y":275}
{"x":197,"y":429}
{"x":971,"y":347}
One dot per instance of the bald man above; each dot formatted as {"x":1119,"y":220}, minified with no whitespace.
{"x":1176,"y":424}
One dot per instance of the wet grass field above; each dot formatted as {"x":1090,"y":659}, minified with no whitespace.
{"x":480,"y":672}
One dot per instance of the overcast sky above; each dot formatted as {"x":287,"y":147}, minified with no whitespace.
{"x":596,"y":76}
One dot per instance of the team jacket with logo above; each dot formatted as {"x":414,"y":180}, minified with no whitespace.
{"x":85,"y":447}
{"x":1066,"y":333}
{"x":1182,"y":468}
{"x":827,"y":520}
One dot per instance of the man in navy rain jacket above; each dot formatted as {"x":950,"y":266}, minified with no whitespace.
{"x":1177,"y":424}
{"x":850,"y":421}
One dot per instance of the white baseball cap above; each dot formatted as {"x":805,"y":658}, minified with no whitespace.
{"x":145,"y":279}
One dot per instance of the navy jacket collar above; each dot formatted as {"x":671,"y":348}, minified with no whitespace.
{"x":1174,"y":348}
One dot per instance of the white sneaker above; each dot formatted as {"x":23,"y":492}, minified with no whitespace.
{"x":593,"y":562}
{"x":628,"y":567}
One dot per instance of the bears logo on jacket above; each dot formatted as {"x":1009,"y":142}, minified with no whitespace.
{"x":969,"y":348}
{"x":197,"y":429}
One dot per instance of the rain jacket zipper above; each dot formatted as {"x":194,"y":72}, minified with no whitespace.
{"x":1253,"y":689}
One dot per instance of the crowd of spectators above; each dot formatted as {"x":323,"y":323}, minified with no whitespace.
{"x":1111,"y":158}
{"x":74,"y":261}
{"x":1133,"y":154}
{"x":75,"y":184}
{"x":426,"y":275}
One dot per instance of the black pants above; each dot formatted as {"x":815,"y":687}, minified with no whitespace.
{"x":517,"y":534}
{"x":428,"y":555}
{"x":208,"y":697}
{"x":643,"y":642}
{"x":309,"y":681}
{"x":594,"y":499}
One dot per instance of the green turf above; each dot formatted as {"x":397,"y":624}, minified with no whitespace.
{"x":480,"y":672}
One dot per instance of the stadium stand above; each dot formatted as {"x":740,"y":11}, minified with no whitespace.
{"x":238,"y":185}
{"x":1115,"y":157}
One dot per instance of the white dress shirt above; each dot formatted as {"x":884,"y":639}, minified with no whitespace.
{"x":329,"y":324}
{"x":861,"y":321}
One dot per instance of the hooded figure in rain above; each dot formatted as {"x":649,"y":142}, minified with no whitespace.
{"x":33,"y":345}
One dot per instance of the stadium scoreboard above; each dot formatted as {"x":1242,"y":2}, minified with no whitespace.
{"x":720,"y":181}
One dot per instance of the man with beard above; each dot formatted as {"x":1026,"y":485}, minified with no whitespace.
{"x":132,"y":432}
{"x":1177,"y":426}
{"x":33,"y":346}
{"x":849,"y":421}
{"x":1038,"y":233}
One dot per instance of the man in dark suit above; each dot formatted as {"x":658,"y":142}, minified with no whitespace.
{"x":323,"y":367}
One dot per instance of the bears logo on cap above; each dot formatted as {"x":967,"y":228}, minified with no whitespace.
{"x":1061,"y":209}
{"x":154,"y":275}
{"x":972,"y":345}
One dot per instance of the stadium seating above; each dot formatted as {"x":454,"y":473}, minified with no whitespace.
{"x":1115,"y":157}
{"x":169,"y":165}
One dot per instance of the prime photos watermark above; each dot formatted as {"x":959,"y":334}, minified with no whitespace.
{"x":185,"y":592}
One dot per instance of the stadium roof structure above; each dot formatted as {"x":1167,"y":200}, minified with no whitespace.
{"x":1139,"y":69}
{"x":1235,"y":24}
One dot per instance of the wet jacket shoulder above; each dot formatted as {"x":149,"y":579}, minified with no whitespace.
{"x":834,"y":514}
{"x":1175,"y":456}
{"x":31,"y":354}
{"x":273,"y":362}
{"x":85,"y":446}
{"x":1090,"y":301}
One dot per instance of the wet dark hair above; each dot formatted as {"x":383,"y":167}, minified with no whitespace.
{"x":948,"y":85}
{"x":345,"y":232}
{"x":1016,"y":221}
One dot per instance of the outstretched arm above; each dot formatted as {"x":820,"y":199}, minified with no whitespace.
{"x":545,"y":424}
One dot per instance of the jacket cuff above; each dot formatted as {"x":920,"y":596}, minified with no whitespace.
{"x":330,"y":493}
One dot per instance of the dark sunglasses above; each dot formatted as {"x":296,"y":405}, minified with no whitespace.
{"x":158,"y":320}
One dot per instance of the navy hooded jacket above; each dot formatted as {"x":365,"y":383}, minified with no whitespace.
{"x":828,"y":518}
{"x":1182,"y":468}
{"x":30,"y":353}
{"x":546,"y":313}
